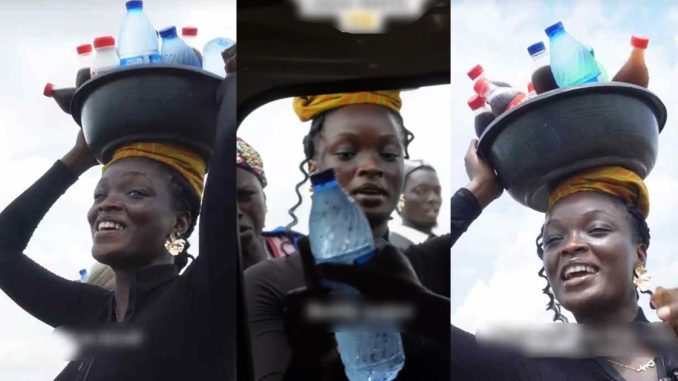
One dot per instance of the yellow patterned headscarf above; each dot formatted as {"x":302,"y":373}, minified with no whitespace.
{"x":187,"y":163}
{"x":308,"y":107}
{"x":616,"y":181}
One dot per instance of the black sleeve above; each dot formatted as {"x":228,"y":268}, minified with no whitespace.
{"x":464,"y":209}
{"x":266,"y":285}
{"x":48,"y":297}
{"x":471,"y":361}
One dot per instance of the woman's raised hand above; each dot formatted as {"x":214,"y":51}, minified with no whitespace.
{"x":79,"y":159}
{"x":483,"y":181}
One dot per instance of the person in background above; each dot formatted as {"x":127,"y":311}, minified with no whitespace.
{"x":418,"y":206}
{"x":257,"y":245}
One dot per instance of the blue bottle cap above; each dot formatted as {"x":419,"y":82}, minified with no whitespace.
{"x":170,"y":31}
{"x":536,"y":48}
{"x":323,"y":177}
{"x":554,"y":28}
{"x":82,"y":272}
{"x":134,"y":4}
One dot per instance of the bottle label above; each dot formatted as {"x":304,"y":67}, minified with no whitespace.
{"x":516,"y":101}
{"x":141,"y":59}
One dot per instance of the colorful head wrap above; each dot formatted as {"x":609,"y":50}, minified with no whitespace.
{"x":616,"y":181}
{"x":310,"y":106}
{"x":190,"y":165}
{"x":248,"y":159}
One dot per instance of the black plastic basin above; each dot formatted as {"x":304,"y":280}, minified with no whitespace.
{"x":169,"y":103}
{"x":535,"y":145}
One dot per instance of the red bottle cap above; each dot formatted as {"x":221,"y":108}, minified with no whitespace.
{"x":103,"y":42}
{"x":190,"y":31}
{"x":640,"y":42}
{"x":84,"y":48}
{"x":475,"y":72}
{"x":476,"y":102}
{"x":49,"y":90}
{"x":530,"y":87}
{"x":482,"y":87}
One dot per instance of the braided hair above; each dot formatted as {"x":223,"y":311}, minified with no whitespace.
{"x":309,"y":152}
{"x":641,"y":235}
{"x":184,"y":199}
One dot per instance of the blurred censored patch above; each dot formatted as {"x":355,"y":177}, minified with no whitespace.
{"x":101,"y":340}
{"x":580,"y":341}
{"x":361,"y":16}
{"x":358,"y":311}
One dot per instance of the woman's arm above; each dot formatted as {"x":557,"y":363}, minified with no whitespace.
{"x":46,"y":296}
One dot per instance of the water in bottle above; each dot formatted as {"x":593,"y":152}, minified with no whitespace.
{"x":85,"y":59}
{"x":340,"y":233}
{"x":572,"y":63}
{"x":542,"y":77}
{"x":634,"y":70}
{"x":190,"y":34}
{"x":106,"y":58}
{"x":138,"y":40}
{"x":211,"y":55}
{"x":175,"y":51}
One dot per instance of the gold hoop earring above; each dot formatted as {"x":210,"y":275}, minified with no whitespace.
{"x":175,"y":244}
{"x":641,"y":279}
{"x":401,"y":204}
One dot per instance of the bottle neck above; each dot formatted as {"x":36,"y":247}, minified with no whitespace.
{"x":638,"y":54}
{"x":540,"y":59}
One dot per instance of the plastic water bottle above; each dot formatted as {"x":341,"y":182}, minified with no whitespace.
{"x":340,"y":233}
{"x":572,"y":63}
{"x":83,"y":276}
{"x":542,"y":77}
{"x":190,"y":34}
{"x":138,"y":40}
{"x":106,"y":58}
{"x":211,"y":55}
{"x":175,"y":51}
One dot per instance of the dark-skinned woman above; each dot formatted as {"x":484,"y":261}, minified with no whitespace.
{"x":256,"y":244}
{"x":362,"y":137}
{"x":418,"y":206}
{"x":154,"y":323}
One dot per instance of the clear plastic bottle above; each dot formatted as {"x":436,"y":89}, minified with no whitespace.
{"x":634,"y":70}
{"x":138,"y":40}
{"x":572,"y":63}
{"x":211,"y":55}
{"x":499,"y":98}
{"x":478,"y":72}
{"x":483,"y":115}
{"x":542,"y":77}
{"x":84,"y":277}
{"x":85,"y":59}
{"x":340,"y":233}
{"x":190,"y":36}
{"x":175,"y":51}
{"x":106,"y":58}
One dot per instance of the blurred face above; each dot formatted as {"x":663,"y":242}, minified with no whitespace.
{"x":590,"y":252}
{"x":251,"y":215}
{"x":363,"y":146}
{"x":422,"y":198}
{"x":132,"y":215}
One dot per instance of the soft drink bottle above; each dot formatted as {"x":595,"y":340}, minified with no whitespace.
{"x":85,"y":58}
{"x":499,"y":98}
{"x":138,"y":40}
{"x":62,"y":96}
{"x":211,"y":55}
{"x":340,"y":233}
{"x":542,"y":77}
{"x":634,"y":70}
{"x":175,"y":51}
{"x":572,"y":63}
{"x":106,"y":58}
{"x":190,"y":34}
{"x":483,"y":115}
{"x":478,"y":72}
{"x":530,"y":90}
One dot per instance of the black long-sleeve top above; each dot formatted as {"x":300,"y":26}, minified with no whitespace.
{"x":268,"y":282}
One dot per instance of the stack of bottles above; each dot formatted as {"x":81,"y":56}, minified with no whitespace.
{"x":139,"y":43}
{"x":570,"y":63}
